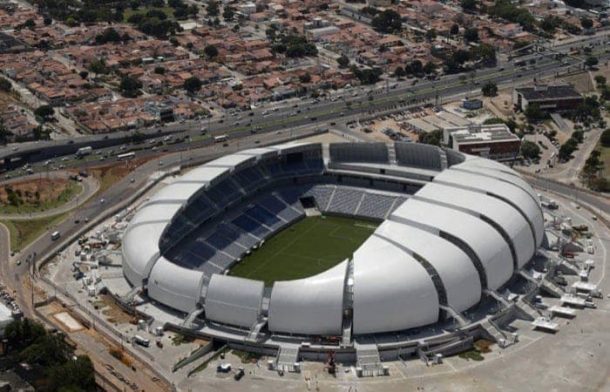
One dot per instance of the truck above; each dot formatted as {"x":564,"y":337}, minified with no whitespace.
{"x":81,"y":152}
{"x":141,"y":341}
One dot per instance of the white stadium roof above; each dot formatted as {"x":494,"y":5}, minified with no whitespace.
{"x":471,"y":224}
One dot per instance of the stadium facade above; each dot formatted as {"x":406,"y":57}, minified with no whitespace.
{"x":455,"y":231}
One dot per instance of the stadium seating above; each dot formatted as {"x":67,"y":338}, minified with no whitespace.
{"x":375,"y":205}
{"x":345,"y":201}
{"x":422,"y":156}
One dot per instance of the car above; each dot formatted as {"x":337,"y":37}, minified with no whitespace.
{"x":132,"y":180}
{"x":102,"y":200}
{"x":160,"y":163}
{"x":18,"y":262}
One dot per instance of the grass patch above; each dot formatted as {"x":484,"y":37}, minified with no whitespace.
{"x":179,"y":339}
{"x":169,"y":11}
{"x":23,"y":232}
{"x":605,"y":157}
{"x":481,"y":346}
{"x":306,"y":248}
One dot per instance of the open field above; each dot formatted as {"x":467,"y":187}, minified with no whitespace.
{"x":23,"y":232}
{"x":304,"y":249}
{"x":37,"y":195}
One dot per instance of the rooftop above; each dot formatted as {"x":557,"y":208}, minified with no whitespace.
{"x":548,"y":92}
{"x":481,"y":133}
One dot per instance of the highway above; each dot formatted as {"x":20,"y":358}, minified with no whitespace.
{"x":339,"y":106}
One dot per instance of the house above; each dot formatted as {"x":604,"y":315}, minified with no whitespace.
{"x":557,"y":98}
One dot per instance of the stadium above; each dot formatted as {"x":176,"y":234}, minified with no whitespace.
{"x":368,"y":250}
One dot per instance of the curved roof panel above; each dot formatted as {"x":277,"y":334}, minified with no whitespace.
{"x":490,"y":248}
{"x":232,"y":300}
{"x":392,"y":291}
{"x":141,"y":250}
{"x":454,"y":267}
{"x":512,"y":223}
{"x":512,"y":194}
{"x":311,"y":306}
{"x":175,"y":286}
{"x":156,"y":212}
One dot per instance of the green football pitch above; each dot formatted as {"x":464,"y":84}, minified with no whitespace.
{"x":306,"y":248}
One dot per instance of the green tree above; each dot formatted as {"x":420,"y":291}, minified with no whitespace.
{"x":388,"y":21}
{"x":591,"y":61}
{"x":431,"y":34}
{"x":530,"y":150}
{"x":471,"y":34}
{"x":429,"y":68}
{"x":130,"y":86}
{"x":4,"y":133}
{"x":468,"y":5}
{"x":399,"y":72}
{"x":73,"y":375}
{"x":455,"y":29}
{"x":98,"y":66}
{"x":586,"y":23}
{"x":534,"y":113}
{"x":605,"y":138}
{"x":5,"y":85}
{"x":600,"y":81}
{"x":211,"y":51}
{"x":435,"y":137}
{"x":45,"y":112}
{"x":343,"y":61}
{"x":305,"y":78}
{"x":228,"y":13}
{"x":213,"y":8}
{"x":490,"y":89}
{"x":192,"y":84}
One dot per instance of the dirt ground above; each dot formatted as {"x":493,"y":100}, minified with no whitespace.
{"x":47,"y":189}
{"x":112,"y":311}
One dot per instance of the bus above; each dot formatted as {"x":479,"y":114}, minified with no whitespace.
{"x":221,"y":138}
{"x":126,"y":156}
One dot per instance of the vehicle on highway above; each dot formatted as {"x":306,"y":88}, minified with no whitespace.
{"x":221,"y":138}
{"x":83,"y":151}
{"x":126,"y":156}
{"x":55,"y":235}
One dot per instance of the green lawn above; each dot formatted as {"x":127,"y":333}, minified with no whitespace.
{"x":169,"y":11}
{"x":23,"y":232}
{"x":605,"y":157}
{"x":306,"y":248}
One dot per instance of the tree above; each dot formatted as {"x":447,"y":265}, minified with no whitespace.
{"x":433,"y":137}
{"x":83,"y":74}
{"x":211,"y":51}
{"x":388,"y":21}
{"x":192,"y":84}
{"x":591,"y":61}
{"x":98,"y":66}
{"x":399,"y":72}
{"x":586,"y":23}
{"x":305,"y":78}
{"x":455,"y":29}
{"x":600,"y":81}
{"x":343,"y":61}
{"x":429,"y":68}
{"x":530,"y":150}
{"x":490,"y":89}
{"x":566,"y":150}
{"x":73,"y":375}
{"x":468,"y":5}
{"x":533,"y":112}
{"x":159,"y":70}
{"x":4,"y":133}
{"x":415,"y":67}
{"x":130,"y":86}
{"x":431,"y":34}
{"x":471,"y":34}
{"x":605,"y":138}
{"x":213,"y":8}
{"x":5,"y":85}
{"x":45,"y":112}
{"x":228,"y":13}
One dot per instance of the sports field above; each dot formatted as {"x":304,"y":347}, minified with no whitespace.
{"x":306,"y":248}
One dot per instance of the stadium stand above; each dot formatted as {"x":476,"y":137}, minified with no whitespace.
{"x":359,"y":152}
{"x":418,"y":155}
